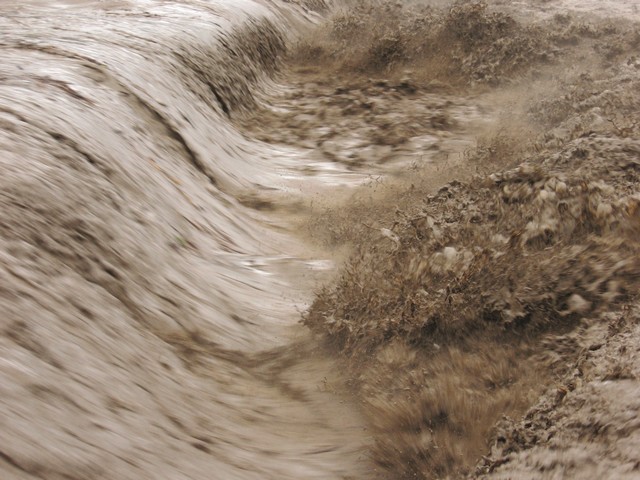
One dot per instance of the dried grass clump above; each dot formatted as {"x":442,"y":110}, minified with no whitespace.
{"x":439,"y":314}
{"x":435,"y":410}
{"x":470,"y":24}
{"x":464,"y":44}
{"x":512,"y":253}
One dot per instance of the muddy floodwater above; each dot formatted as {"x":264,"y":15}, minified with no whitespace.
{"x":149,"y":319}
{"x":165,"y":178}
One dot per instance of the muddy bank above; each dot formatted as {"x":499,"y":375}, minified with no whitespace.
{"x":586,"y":425}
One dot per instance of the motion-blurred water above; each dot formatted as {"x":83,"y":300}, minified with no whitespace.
{"x":148,"y":319}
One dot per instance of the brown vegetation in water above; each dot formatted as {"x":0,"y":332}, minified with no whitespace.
{"x":467,"y":43}
{"x":443,"y":312}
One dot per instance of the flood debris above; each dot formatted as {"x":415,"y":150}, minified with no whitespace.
{"x":444,"y":327}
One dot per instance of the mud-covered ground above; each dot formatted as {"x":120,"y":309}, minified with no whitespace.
{"x":447,"y":193}
{"x":461,"y":305}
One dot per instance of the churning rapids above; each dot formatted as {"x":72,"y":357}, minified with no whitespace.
{"x":160,"y":234}
{"x":149,"y":319}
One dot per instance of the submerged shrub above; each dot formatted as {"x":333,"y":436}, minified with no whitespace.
{"x":464,"y":44}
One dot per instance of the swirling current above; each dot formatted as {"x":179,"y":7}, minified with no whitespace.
{"x":309,"y":239}
{"x":144,"y":310}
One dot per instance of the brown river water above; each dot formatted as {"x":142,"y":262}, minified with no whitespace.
{"x":149,"y":320}
{"x":149,"y":305}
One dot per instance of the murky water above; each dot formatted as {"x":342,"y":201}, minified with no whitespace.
{"x":149,"y":320}
{"x":150,"y":284}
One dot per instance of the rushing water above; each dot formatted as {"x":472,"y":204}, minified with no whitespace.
{"x":148,"y":329}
